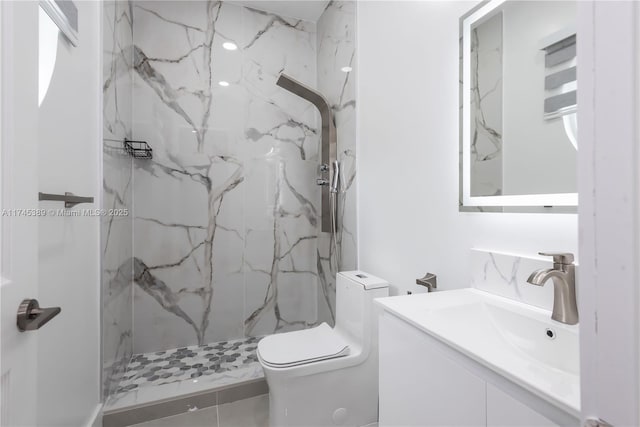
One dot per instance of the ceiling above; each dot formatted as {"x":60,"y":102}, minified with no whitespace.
{"x":307,"y":10}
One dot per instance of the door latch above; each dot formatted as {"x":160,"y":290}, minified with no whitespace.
{"x":32,"y":317}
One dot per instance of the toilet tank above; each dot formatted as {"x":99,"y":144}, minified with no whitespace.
{"x":355,"y":292}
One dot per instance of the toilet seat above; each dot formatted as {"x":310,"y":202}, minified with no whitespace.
{"x":302,"y":347}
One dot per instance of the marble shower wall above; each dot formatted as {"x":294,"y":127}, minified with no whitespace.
{"x":226,"y":214}
{"x":336,"y":32}
{"x":117,"y":231}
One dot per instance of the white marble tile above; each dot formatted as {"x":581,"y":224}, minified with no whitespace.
{"x":506,"y":275}
{"x":191,"y":251}
{"x":226,"y":230}
{"x":116,"y":231}
{"x":336,"y":50}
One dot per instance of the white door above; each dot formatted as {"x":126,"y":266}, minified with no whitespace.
{"x":49,"y":143}
{"x":19,"y":192}
{"x":609,"y":173}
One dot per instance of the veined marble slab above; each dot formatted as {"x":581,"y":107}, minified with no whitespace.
{"x":227,"y":241}
{"x":506,"y":275}
{"x":117,"y":231}
{"x":337,"y":71}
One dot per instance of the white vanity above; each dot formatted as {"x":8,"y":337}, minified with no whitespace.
{"x":470,"y":358}
{"x":491,"y":355}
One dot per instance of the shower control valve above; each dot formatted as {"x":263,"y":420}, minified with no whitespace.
{"x":323,"y":168}
{"x":322,"y":181}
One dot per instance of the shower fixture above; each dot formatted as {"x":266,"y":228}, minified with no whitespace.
{"x":330,"y":184}
{"x":335,"y":178}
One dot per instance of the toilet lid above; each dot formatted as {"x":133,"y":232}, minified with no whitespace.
{"x":301,"y":347}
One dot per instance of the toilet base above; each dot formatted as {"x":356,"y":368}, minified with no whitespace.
{"x":346,"y":397}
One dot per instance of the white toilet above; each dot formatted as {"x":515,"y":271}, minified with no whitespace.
{"x":324,"y":376}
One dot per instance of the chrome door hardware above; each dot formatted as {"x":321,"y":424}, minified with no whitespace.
{"x":69,"y":199}
{"x":32,"y":317}
{"x":430,"y":281}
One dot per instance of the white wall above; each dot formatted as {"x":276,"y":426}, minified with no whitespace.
{"x":69,"y":133}
{"x":408,"y":154}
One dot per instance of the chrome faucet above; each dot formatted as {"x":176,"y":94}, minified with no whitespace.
{"x":563,"y":274}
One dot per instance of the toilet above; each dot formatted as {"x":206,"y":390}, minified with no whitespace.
{"x":327,"y":376}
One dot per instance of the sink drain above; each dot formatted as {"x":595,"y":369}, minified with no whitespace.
{"x":551,"y":334}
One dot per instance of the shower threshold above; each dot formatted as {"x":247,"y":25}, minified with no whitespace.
{"x":189,"y":371}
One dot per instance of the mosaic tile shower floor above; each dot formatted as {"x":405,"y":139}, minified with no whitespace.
{"x":188,"y":363}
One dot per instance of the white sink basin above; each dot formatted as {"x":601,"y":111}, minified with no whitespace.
{"x":506,"y":336}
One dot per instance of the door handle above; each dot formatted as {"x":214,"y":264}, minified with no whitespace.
{"x":69,"y":199}
{"x":32,"y":317}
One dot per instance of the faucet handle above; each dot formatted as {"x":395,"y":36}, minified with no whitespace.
{"x":565,"y":258}
{"x":429,"y":281}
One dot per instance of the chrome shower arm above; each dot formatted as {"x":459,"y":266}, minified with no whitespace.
{"x":329,"y":150}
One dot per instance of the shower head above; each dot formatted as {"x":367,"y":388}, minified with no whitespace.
{"x":305,"y":92}
{"x":326,"y":114}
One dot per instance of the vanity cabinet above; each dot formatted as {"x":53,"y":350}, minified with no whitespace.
{"x":424,"y":382}
{"x":504,"y":410}
{"x":420,"y":386}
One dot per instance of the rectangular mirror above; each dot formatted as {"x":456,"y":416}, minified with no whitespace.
{"x":518,"y":123}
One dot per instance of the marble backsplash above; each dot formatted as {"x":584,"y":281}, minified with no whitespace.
{"x":506,"y":275}
{"x":226,"y":230}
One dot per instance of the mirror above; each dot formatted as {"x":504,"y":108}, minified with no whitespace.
{"x":518,"y":123}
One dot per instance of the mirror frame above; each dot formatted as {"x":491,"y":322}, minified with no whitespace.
{"x":552,"y":203}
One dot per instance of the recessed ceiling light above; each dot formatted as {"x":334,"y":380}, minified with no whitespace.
{"x":346,"y":69}
{"x":194,"y":131}
{"x":229,"y":46}
{"x":223,"y":83}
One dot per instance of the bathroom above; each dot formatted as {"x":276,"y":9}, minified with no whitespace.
{"x":245,"y":181}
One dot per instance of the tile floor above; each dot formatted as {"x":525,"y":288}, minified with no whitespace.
{"x":252,"y":412}
{"x":164,"y":367}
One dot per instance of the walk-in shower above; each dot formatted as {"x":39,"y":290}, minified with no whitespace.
{"x":231,"y":237}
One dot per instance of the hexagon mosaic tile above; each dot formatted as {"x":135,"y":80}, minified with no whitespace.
{"x":187,"y":363}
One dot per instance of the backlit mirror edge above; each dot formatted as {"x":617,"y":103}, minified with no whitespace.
{"x":538,"y":203}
